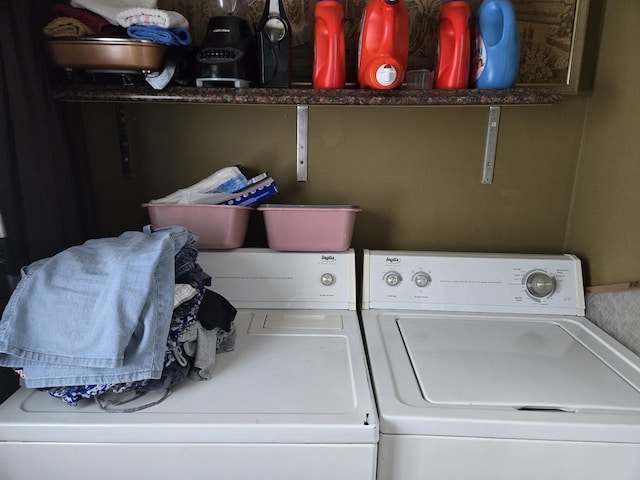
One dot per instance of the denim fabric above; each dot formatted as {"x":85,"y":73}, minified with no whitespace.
{"x":96,"y":313}
{"x":183,"y":316}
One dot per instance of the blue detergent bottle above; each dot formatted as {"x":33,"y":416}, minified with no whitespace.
{"x":495,"y":56}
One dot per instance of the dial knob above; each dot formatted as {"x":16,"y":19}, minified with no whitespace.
{"x":421,"y":279}
{"x":392,"y":278}
{"x":540,"y":285}
{"x":327,"y":279}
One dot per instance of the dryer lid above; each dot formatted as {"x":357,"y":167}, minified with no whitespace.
{"x":294,"y":376}
{"x":520,"y":363}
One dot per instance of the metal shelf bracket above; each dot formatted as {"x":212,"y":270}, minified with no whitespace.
{"x":123,"y":138}
{"x":301,"y":142}
{"x":491,"y":144}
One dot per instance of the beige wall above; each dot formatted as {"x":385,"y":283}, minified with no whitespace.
{"x":415,"y":171}
{"x":604,"y":225}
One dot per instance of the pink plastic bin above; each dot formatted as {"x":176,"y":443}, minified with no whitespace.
{"x":219,"y":227}
{"x":309,"y":228}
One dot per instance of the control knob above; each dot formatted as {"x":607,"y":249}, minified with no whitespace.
{"x":392,"y":279}
{"x":540,"y":284}
{"x":422,"y":279}
{"x":327,"y":279}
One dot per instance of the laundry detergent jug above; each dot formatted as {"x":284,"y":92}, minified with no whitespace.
{"x":329,"y":48}
{"x":383,"y":47}
{"x":496,"y":46}
{"x":454,"y":46}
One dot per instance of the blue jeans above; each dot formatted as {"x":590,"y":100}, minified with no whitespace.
{"x":97,"y":313}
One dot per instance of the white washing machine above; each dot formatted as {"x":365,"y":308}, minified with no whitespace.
{"x":292,"y":401}
{"x":484,"y":367}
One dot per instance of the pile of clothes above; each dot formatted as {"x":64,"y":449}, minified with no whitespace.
{"x":114,"y":316}
{"x":139,"y":19}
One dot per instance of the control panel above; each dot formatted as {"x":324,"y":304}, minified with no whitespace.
{"x":473,"y":282}
{"x":264,"y":278}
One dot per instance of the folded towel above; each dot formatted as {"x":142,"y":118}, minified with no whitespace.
{"x":92,"y":20}
{"x":168,"y":36}
{"x":66,"y":27}
{"x":151,"y":16}
{"x":108,"y":9}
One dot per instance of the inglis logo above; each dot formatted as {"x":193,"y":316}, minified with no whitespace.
{"x":328,"y":258}
{"x":392,"y":260}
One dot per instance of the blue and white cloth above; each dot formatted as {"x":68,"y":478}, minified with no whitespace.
{"x":97,"y":313}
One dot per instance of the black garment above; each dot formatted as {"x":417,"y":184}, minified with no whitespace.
{"x":216,"y":311}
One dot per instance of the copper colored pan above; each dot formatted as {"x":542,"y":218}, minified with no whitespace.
{"x":104,"y":53}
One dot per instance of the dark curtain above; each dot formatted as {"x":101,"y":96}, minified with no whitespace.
{"x":45,"y":197}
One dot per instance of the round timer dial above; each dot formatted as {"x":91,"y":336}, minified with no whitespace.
{"x":540,"y":284}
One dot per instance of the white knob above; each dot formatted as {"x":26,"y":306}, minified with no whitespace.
{"x":327,"y":279}
{"x":392,"y":278}
{"x":422,"y":279}
{"x":540,"y":285}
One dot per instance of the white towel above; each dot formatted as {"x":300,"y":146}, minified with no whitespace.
{"x":151,"y":16}
{"x":108,"y":9}
{"x":197,"y":193}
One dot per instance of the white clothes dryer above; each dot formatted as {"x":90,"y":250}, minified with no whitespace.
{"x":292,"y":401}
{"x":484,"y":367}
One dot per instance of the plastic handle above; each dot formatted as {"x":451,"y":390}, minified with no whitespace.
{"x":492,"y":24}
{"x":329,"y":67}
{"x":388,"y":36}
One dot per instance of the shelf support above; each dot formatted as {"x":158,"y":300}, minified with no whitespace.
{"x":491,"y":144}
{"x":302,"y":136}
{"x":123,"y":139}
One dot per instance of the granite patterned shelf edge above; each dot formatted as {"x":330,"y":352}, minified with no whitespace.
{"x":305,"y":96}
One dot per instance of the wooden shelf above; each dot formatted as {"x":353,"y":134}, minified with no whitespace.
{"x":304,"y":96}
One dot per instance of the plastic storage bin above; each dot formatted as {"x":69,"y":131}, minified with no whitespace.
{"x":219,"y":227}
{"x":309,"y":228}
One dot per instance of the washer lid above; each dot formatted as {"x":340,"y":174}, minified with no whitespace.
{"x":524,"y":364}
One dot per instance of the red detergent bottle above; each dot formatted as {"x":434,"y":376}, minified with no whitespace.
{"x":454,"y":46}
{"x":329,"y":48}
{"x":383,"y":47}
